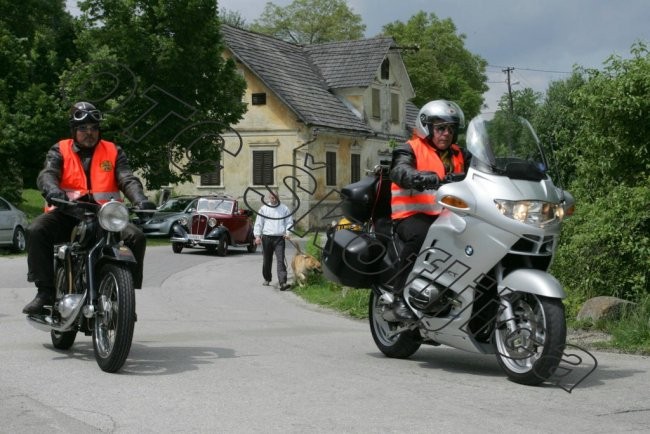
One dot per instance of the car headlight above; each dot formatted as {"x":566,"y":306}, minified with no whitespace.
{"x":113,"y":216}
{"x":212,"y":222}
{"x":532,"y":212}
{"x":183,"y":221}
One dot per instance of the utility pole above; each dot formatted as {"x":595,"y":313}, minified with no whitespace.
{"x":508,"y":70}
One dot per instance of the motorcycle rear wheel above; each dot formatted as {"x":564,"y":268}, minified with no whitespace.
{"x":63,"y":340}
{"x":400,"y":346}
{"x":532,"y":353}
{"x":115,"y":317}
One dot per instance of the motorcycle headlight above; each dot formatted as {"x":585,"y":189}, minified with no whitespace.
{"x":113,"y":216}
{"x":532,"y":212}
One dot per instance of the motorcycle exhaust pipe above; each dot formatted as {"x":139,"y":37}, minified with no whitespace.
{"x":40,"y":322}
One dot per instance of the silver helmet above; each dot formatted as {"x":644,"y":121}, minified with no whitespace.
{"x":442,"y":111}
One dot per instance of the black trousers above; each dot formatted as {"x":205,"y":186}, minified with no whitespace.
{"x":273,"y":245}
{"x":412,"y":231}
{"x":55,"y":227}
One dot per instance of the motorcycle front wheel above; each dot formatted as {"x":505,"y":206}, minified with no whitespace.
{"x":115,"y":316}
{"x":532,"y":352}
{"x":400,"y":346}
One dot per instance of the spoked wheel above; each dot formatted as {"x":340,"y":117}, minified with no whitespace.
{"x":62,"y":340}
{"x":531,"y":352}
{"x":399,"y":346}
{"x":115,"y":317}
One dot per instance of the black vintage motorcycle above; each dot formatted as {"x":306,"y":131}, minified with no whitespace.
{"x":94,"y":285}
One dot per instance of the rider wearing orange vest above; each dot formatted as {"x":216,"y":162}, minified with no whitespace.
{"x":85,"y":168}
{"x":416,"y":170}
{"x":74,"y":181}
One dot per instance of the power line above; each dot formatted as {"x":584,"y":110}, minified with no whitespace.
{"x":532,"y":69}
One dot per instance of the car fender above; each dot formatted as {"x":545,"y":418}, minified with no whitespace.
{"x":179,"y":231}
{"x":218,"y":232}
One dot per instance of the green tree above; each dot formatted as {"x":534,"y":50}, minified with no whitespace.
{"x":232,"y":18}
{"x":441,"y":67}
{"x":310,"y":22}
{"x":557,"y":122}
{"x":605,"y":248}
{"x":614,"y":135}
{"x":156,"y":70}
{"x":36,"y":37}
{"x":525,"y":103}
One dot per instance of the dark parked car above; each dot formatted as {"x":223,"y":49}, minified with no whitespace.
{"x":13,"y":223}
{"x":159,"y":224}
{"x":216,"y":223}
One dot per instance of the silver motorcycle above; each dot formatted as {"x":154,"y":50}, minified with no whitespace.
{"x":480,"y":282}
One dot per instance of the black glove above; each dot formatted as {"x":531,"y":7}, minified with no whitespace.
{"x":426,"y":181}
{"x":55,"y":194}
{"x":145,"y":205}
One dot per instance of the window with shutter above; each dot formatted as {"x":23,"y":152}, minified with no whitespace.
{"x":355,"y":167}
{"x":263,"y":168}
{"x":394,"y":108}
{"x":376,"y":106}
{"x":330,"y":175}
{"x":212,"y":178}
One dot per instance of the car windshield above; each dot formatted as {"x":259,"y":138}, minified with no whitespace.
{"x":220,"y":206}
{"x":506,"y":145}
{"x":175,"y":204}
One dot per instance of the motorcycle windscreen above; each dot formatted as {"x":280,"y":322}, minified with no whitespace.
{"x":506,"y":145}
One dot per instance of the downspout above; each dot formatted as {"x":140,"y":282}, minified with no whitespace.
{"x":295,"y":162}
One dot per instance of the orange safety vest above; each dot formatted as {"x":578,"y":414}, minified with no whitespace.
{"x":406,"y":202}
{"x":102,"y":173}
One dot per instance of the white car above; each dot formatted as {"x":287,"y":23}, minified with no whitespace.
{"x":13,"y":223}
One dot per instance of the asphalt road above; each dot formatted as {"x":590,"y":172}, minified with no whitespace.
{"x":215,"y":351}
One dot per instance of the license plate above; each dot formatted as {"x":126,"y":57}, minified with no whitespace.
{"x":195,"y":237}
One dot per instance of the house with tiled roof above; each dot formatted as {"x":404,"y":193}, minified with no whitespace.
{"x":319,"y":117}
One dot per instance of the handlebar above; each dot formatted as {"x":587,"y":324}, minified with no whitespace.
{"x":94,"y":207}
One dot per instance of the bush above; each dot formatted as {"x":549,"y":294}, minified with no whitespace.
{"x":605,"y":249}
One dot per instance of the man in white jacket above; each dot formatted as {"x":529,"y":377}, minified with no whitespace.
{"x":271,"y":228}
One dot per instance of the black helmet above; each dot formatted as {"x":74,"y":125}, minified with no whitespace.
{"x":441,"y":110}
{"x":84,"y":113}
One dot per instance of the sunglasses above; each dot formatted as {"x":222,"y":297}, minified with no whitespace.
{"x":87,"y":128}
{"x":80,"y":115}
{"x":441,"y":128}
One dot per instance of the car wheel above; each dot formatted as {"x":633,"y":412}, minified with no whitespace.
{"x":222,"y":249}
{"x":18,"y":243}
{"x":251,"y":247}
{"x":177,"y":247}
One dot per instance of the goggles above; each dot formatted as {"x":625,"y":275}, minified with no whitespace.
{"x":82,"y":115}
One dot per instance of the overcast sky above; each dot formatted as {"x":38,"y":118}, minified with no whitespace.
{"x":530,"y":35}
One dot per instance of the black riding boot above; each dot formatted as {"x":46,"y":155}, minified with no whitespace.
{"x":45,"y":296}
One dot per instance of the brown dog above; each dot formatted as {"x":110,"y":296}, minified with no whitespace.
{"x":302,"y":264}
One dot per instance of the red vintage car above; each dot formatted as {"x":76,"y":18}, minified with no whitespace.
{"x":217,"y":223}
